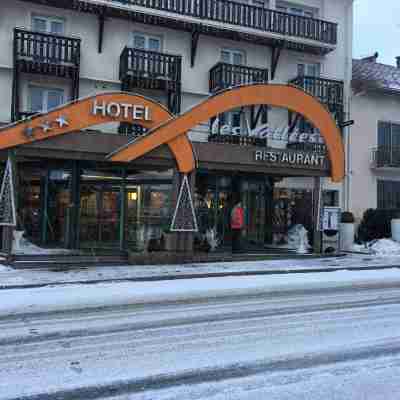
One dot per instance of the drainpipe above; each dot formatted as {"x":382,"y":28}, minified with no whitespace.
{"x":348,"y":95}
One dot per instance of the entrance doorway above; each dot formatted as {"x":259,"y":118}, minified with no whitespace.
{"x":215,"y":197}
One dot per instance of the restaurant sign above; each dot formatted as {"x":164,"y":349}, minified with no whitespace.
{"x":290,"y":157}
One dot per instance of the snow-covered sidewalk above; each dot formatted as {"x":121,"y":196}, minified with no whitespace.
{"x":10,"y":278}
{"x":81,"y":296}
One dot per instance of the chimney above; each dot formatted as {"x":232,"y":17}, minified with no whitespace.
{"x":398,"y":62}
{"x":372,"y":58}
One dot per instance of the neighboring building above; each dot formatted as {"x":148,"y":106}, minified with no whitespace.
{"x":178,"y":53}
{"x":375,"y":138}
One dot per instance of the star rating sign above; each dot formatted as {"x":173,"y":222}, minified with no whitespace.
{"x":28,"y":132}
{"x":62,"y":121}
{"x":46,"y":126}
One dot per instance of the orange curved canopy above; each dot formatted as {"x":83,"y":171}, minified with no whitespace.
{"x":285,"y":96}
{"x":79,"y":115}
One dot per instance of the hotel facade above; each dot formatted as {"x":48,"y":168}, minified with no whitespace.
{"x":179,"y":54}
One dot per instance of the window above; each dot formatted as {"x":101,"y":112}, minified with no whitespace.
{"x":296,"y":10}
{"x":44,"y":99}
{"x":146,"y":42}
{"x":388,"y":134}
{"x":260,"y":3}
{"x":309,"y":69}
{"x":48,"y":25}
{"x":388,"y":194}
{"x":235,"y":57}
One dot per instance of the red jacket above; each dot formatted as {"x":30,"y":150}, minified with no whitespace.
{"x":237,"y":218}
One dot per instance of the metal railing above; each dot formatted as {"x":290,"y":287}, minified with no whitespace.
{"x":224,"y":75}
{"x":150,"y":64}
{"x":386,"y":156}
{"x":328,"y":91}
{"x":46,"y":47}
{"x":250,"y":16}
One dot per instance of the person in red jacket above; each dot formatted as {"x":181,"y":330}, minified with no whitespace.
{"x":237,"y":224}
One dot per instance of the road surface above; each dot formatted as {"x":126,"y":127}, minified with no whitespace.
{"x":331,"y":344}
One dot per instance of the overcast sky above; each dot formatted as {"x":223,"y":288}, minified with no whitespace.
{"x":377,"y":28}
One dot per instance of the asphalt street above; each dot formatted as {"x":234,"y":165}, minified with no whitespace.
{"x":332,"y":344}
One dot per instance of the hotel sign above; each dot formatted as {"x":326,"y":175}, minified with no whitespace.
{"x":297,"y":158}
{"x":135,"y":112}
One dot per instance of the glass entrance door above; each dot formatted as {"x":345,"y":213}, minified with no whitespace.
{"x":99,"y":216}
{"x":254,"y":203}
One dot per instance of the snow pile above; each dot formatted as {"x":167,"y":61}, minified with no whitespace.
{"x":298,"y":238}
{"x":385,"y":247}
{"x":23,"y":246}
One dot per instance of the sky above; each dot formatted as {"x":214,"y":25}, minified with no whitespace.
{"x":377,"y":28}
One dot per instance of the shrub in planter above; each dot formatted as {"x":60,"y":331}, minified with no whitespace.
{"x":347,"y":218}
{"x":375,"y":224}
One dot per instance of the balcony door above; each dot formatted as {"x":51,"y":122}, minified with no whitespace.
{"x":149,"y":61}
{"x":47,"y":48}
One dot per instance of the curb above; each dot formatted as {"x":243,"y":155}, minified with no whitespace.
{"x":198,"y":276}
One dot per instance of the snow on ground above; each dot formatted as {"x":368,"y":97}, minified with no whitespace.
{"x":360,"y":380}
{"x":10,"y":277}
{"x":62,"y":298}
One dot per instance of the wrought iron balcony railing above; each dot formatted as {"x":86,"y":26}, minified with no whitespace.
{"x":328,"y":91}
{"x":153,"y":65}
{"x":386,"y":157}
{"x":224,"y":75}
{"x":46,"y":48}
{"x":249,"y":16}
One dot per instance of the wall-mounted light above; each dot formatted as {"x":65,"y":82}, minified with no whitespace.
{"x":132,"y":196}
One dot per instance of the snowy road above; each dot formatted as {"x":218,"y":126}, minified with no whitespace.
{"x":320,"y":344}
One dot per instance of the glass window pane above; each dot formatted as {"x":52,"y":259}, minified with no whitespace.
{"x":154,"y":44}
{"x":238,"y":59}
{"x":139,"y":42}
{"x":308,"y":14}
{"x":36,"y":99}
{"x":54,"y":98}
{"x":235,"y":119}
{"x":296,"y":11}
{"x":57,"y":27}
{"x":225,"y":56}
{"x":300,"y":69}
{"x":39,"y":24}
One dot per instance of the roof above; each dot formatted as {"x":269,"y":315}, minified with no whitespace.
{"x":371,"y":75}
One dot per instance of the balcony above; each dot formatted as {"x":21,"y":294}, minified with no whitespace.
{"x":225,"y":18}
{"x":45,"y":54}
{"x":223,"y":76}
{"x":36,"y":52}
{"x":327,"y":91}
{"x":385,"y":157}
{"x":146,"y":69}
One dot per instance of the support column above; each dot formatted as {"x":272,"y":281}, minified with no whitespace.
{"x":122,"y":215}
{"x":316,"y":205}
{"x":73,"y":241}
{"x":44,"y":204}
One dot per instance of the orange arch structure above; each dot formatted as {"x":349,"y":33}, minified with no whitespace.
{"x":284,"y":96}
{"x":79,"y":115}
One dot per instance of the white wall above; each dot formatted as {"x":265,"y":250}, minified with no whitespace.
{"x":367,"y":110}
